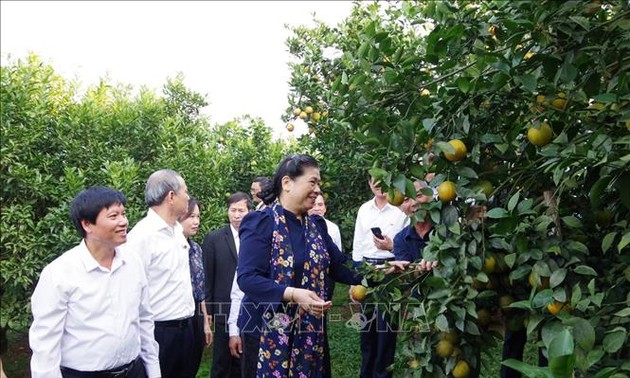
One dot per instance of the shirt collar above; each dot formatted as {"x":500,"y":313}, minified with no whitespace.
{"x":159,"y":224}
{"x":385,"y":208}
{"x":234,"y":231}
{"x":90,"y":263}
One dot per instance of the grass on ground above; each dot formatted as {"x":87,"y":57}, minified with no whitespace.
{"x":344,"y":347}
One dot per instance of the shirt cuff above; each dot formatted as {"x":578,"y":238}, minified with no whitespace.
{"x":233,"y":330}
{"x":153,"y":370}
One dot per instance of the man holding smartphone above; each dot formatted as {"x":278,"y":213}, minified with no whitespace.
{"x":376,"y":224}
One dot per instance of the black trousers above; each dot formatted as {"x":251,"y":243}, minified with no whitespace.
{"x":136,"y":370}
{"x":199,"y":338}
{"x":176,"y":339}
{"x":378,"y":344}
{"x":249,"y":358}
{"x":224,"y":365}
{"x":513,"y":347}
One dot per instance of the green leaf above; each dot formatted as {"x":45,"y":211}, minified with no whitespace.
{"x":608,"y":240}
{"x":606,"y":98}
{"x":497,"y":212}
{"x":441,"y":323}
{"x":561,"y":344}
{"x":542,"y":298}
{"x":528,"y":81}
{"x":513,"y":201}
{"x":428,"y":124}
{"x":557,"y":277}
{"x":623,"y":313}
{"x":593,"y":357}
{"x":614,"y":340}
{"x":583,"y":332}
{"x":572,"y":221}
{"x":467,"y":172}
{"x":624,"y":242}
{"x":534,"y":321}
{"x":463,"y":84}
{"x":585,"y":270}
{"x":527,"y":370}
{"x":449,"y":215}
{"x":567,"y":73}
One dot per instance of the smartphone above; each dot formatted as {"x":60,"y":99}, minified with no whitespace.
{"x":377,"y":232}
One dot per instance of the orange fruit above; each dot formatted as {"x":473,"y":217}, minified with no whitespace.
{"x":303,"y":115}
{"x":461,"y":370}
{"x":308,"y":109}
{"x":460,"y":150}
{"x":397,"y":199}
{"x":316,"y":116}
{"x":555,"y":307}
{"x":505,"y":301}
{"x":543,"y":284}
{"x":447,"y":191}
{"x":483,"y":317}
{"x":450,"y":336}
{"x":489,"y":264}
{"x":414,"y":364}
{"x":297,"y":111}
{"x":486,"y":187}
{"x":540,"y":136}
{"x":559,"y":103}
{"x":290,"y":127}
{"x":444,"y":348}
{"x":358,"y":292}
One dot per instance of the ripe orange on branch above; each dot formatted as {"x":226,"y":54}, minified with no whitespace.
{"x":540,"y":136}
{"x":397,"y":199}
{"x":461,"y":370}
{"x":358,"y":292}
{"x":460,"y":150}
{"x":447,"y":191}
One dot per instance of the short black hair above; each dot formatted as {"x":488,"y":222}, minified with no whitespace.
{"x":239,"y":196}
{"x":293,"y":166}
{"x":89,"y":203}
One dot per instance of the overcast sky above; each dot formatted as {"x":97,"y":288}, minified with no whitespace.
{"x":233,"y":52}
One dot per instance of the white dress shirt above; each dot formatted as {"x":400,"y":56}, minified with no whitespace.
{"x":163,"y":251}
{"x":390,"y":220}
{"x":90,"y":318}
{"x":335,"y":234}
{"x":236,"y":295}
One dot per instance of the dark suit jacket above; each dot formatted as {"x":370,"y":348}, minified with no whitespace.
{"x":220,"y":258}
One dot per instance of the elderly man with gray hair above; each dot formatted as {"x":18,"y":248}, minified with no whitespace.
{"x":159,"y":242}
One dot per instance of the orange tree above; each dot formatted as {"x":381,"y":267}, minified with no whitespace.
{"x":537,"y":93}
{"x":56,"y":140}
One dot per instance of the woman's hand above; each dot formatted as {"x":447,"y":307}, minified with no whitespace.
{"x":425,"y":266}
{"x":394,"y":266}
{"x":308,"y":301}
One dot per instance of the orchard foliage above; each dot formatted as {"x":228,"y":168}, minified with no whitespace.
{"x":57,"y":141}
{"x":538,"y":232}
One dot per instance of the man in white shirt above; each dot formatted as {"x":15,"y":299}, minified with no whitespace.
{"x":91,"y":311}
{"x":377,"y":339}
{"x":158,"y":240}
{"x":220,"y":254}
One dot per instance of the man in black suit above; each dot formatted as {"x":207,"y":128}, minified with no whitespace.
{"x":220,"y":250}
